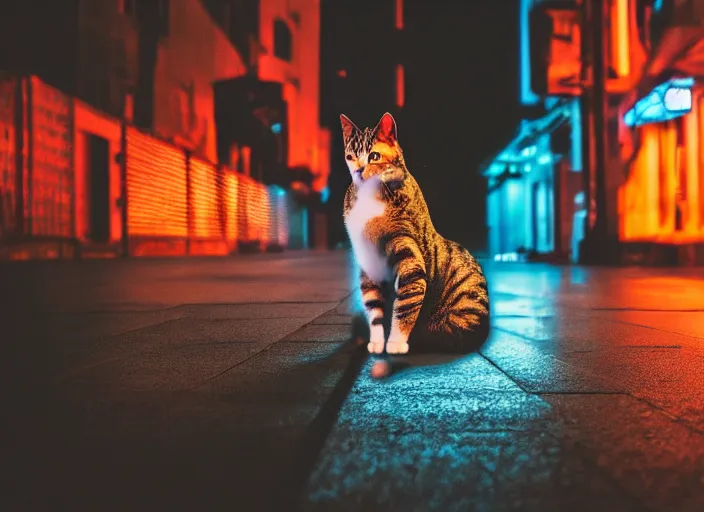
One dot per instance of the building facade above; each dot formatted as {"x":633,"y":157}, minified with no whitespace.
{"x":109,"y":80}
{"x":616,"y":142}
{"x":534,"y":180}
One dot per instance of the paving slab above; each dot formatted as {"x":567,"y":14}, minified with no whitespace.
{"x":669,"y":378}
{"x":535,"y":370}
{"x":655,"y":459}
{"x":321,"y":333}
{"x":459,"y":436}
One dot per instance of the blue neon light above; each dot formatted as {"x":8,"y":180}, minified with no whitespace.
{"x":527,"y":96}
{"x":667,"y":101}
{"x":325,"y":195}
{"x":576,"y":136}
{"x":276,"y":127}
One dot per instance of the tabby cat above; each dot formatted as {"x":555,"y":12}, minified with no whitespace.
{"x":437,"y":289}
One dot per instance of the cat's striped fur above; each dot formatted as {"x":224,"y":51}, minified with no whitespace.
{"x":438,"y":290}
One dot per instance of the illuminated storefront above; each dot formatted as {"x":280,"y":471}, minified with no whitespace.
{"x":661,"y":141}
{"x":531,"y":187}
{"x":533,"y":181}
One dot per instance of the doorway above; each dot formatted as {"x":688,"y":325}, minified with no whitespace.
{"x":98,"y":150}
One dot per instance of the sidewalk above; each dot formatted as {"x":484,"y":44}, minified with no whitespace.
{"x":209,"y":384}
{"x":172,"y":384}
{"x":589,"y":395}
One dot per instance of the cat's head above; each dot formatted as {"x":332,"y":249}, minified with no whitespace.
{"x":370,"y":151}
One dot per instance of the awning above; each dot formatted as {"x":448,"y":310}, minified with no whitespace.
{"x":527,"y":135}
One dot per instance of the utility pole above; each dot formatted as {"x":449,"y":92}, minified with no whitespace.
{"x":595,"y":247}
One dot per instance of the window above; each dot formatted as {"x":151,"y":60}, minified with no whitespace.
{"x":282,"y":41}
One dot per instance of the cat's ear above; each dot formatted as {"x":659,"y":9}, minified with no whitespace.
{"x":386,"y":129}
{"x":348,"y":127}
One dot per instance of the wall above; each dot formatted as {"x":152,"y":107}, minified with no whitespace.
{"x":300,"y":77}
{"x":107,"y":55}
{"x":90,"y":121}
{"x":194,"y":55}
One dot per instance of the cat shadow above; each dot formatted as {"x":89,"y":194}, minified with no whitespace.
{"x":424,"y":350}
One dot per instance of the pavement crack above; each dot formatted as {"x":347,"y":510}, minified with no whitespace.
{"x":506,"y":374}
{"x":265,"y":348}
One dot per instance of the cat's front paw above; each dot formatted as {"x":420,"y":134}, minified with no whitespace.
{"x":397,"y":347}
{"x":376,"y":347}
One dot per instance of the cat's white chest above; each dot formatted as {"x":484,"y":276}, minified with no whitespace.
{"x":368,"y":255}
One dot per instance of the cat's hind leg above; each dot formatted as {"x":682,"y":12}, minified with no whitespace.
{"x":461,"y":320}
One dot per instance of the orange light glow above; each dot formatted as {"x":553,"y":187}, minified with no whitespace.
{"x":8,"y":178}
{"x":665,"y":176}
{"x":400,"y":86}
{"x":399,"y":14}
{"x":204,"y":200}
{"x":342,"y":73}
{"x":231,"y":205}
{"x":620,"y":51}
{"x":565,"y":53}
{"x":49,"y":207}
{"x":156,"y":187}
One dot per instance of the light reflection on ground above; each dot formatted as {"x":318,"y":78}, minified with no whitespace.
{"x":537,"y":420}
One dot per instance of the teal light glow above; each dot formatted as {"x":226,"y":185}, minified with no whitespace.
{"x":527,"y":96}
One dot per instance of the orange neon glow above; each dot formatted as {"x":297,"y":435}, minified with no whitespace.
{"x":565,"y":53}
{"x":400,"y":86}
{"x":231,"y":204}
{"x":699,"y":162}
{"x":8,"y":176}
{"x":156,"y":187}
{"x":49,"y":205}
{"x":204,"y":200}
{"x":620,"y":51}
{"x":253,"y":210}
{"x":666,"y":175}
{"x":399,"y":14}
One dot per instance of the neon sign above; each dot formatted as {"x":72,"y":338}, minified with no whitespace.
{"x":667,"y":101}
{"x":678,"y":99}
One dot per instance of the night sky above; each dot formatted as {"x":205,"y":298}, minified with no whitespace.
{"x":461,"y":60}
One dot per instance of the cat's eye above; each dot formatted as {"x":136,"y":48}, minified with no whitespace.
{"x":349,"y":157}
{"x":374,"y":156}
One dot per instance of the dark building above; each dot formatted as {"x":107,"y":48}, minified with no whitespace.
{"x":362,"y":76}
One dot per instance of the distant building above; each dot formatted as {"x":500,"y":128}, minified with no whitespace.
{"x":534,"y":180}
{"x":362,"y":76}
{"x":232,"y":82}
{"x":642,"y":200}
{"x":656,"y":168}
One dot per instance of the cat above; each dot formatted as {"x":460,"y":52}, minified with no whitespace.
{"x":432,"y":287}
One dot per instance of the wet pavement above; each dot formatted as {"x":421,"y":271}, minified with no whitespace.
{"x":588,"y":395}
{"x":231,"y":384}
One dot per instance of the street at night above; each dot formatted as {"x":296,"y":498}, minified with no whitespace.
{"x":321,"y":255}
{"x":232,"y":383}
